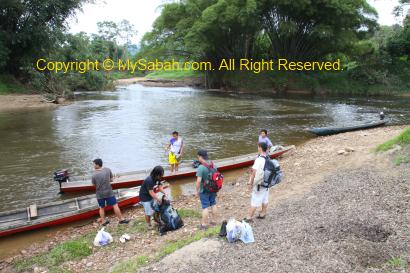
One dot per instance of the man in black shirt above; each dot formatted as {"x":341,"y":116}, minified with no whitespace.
{"x":147,"y":194}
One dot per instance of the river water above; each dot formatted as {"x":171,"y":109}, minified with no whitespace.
{"x":128,"y":129}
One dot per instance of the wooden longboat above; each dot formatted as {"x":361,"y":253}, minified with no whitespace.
{"x":325,"y":131}
{"x":60,"y":212}
{"x":132,"y":179}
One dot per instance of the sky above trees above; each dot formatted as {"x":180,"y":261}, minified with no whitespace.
{"x":142,"y":14}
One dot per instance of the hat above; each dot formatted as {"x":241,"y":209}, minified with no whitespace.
{"x":203,"y":153}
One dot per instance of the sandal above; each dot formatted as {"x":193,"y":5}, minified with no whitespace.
{"x":261,"y":217}
{"x":248,"y":220}
{"x":124,"y":221}
{"x":106,"y":223}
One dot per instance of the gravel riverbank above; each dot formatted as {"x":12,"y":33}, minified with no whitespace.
{"x":354,"y":218}
{"x":341,"y":208}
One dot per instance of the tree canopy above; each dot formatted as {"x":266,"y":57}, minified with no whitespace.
{"x":31,"y":28}
{"x":300,"y":30}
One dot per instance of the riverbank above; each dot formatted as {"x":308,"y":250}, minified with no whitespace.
{"x":350,"y":209}
{"x":24,"y":102}
{"x":269,"y":85}
{"x":153,"y":82}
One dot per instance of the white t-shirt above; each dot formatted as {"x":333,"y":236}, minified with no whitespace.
{"x":176,"y":145}
{"x":258,"y":165}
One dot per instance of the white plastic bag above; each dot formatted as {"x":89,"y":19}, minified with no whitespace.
{"x":102,"y":238}
{"x":233,"y":230}
{"x":246,"y":233}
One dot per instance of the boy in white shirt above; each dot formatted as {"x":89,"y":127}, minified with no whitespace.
{"x":260,"y":195}
{"x":175,"y":149}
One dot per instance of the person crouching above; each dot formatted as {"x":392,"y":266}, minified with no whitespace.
{"x":147,"y":194}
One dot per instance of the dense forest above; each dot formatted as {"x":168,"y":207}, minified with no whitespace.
{"x":376,"y":59}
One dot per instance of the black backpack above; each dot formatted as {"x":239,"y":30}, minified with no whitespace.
{"x":169,"y":219}
{"x":272,"y":173}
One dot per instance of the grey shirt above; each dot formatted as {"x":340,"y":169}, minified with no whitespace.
{"x":102,"y":181}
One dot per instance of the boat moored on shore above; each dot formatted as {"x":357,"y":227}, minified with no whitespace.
{"x":132,"y":179}
{"x":60,"y":212}
{"x":326,"y":131}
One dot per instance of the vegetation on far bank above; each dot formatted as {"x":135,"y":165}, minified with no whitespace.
{"x":174,"y":74}
{"x":375,"y":59}
{"x":323,"y":83}
{"x":40,"y":31}
{"x":9,"y":85}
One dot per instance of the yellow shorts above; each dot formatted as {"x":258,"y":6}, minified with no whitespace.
{"x":172,"y":159}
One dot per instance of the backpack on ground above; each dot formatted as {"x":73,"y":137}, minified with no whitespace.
{"x":215,"y":179}
{"x":272,"y":173}
{"x":169,"y":218}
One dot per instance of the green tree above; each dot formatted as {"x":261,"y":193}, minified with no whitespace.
{"x":298,"y":30}
{"x":399,"y":44}
{"x":306,"y":30}
{"x":29,"y":29}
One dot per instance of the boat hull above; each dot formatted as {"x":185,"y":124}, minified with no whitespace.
{"x":326,"y":131}
{"x":188,"y":172}
{"x":87,"y":213}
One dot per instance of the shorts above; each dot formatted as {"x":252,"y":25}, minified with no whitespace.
{"x":208,"y":199}
{"x":260,"y":197}
{"x":110,"y":201}
{"x":172,"y":159}
{"x":148,"y":210}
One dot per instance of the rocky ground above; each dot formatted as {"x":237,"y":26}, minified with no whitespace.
{"x":341,"y":208}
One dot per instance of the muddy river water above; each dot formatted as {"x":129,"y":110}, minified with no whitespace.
{"x":128,"y":129}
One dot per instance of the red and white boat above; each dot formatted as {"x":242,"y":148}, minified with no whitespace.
{"x":60,"y":212}
{"x":132,"y":179}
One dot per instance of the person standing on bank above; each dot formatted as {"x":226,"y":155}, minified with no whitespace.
{"x":260,"y":195}
{"x":147,"y":194}
{"x":263,"y":137}
{"x":175,"y":149}
{"x":207,"y":199}
{"x":102,"y":179}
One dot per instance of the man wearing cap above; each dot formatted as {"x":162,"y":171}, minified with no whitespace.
{"x":208,"y":199}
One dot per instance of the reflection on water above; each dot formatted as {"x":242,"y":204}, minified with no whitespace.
{"x":129,"y":128}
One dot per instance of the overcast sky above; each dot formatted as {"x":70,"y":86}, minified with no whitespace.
{"x":142,"y":13}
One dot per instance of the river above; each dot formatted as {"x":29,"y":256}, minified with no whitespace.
{"x":128,"y":129}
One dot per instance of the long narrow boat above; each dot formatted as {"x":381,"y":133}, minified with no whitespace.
{"x":60,"y":212}
{"x":133,"y":179}
{"x":325,"y":131}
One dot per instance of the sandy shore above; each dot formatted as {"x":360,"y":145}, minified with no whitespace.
{"x":23,"y":102}
{"x":334,"y":212}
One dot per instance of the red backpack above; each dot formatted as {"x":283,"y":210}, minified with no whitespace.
{"x":215,"y":179}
